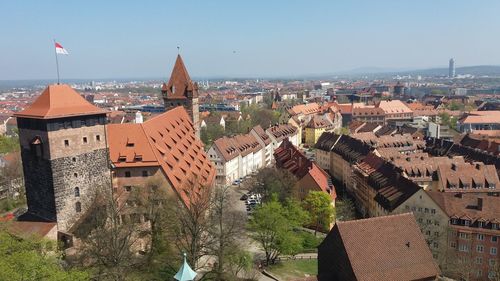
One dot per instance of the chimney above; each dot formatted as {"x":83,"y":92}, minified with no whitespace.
{"x":480,"y":204}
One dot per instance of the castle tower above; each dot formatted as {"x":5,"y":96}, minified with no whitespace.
{"x":182,"y":91}
{"x":64,"y":154}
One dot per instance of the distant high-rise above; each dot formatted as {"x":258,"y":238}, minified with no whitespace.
{"x":451,"y":68}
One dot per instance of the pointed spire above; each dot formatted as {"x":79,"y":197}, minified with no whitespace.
{"x":180,"y":84}
{"x":185,"y":273}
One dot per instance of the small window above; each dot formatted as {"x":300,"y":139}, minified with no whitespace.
{"x":98,"y":138}
{"x":494,"y":239}
{"x":127,"y":174}
{"x":85,"y":140}
{"x":77,"y":192}
{"x":78,"y":207}
{"x":75,"y":175}
{"x":479,"y":248}
{"x":74,"y":159}
{"x":145,"y":173}
{"x":493,"y":251}
{"x":128,"y":188}
{"x":66,"y":142}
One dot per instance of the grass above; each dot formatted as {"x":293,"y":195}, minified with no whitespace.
{"x":294,"y":269}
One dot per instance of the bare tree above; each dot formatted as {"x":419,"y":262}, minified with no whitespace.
{"x":108,"y":238}
{"x":226,"y":224}
{"x":190,"y":222}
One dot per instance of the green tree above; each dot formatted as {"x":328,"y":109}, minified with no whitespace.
{"x":272,"y":227}
{"x":33,"y":259}
{"x":210,"y":133}
{"x":319,"y":206}
{"x":8,"y":144}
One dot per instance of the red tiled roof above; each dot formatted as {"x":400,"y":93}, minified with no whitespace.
{"x":387,"y":248}
{"x":59,"y":101}
{"x":180,"y":84}
{"x":466,"y":205}
{"x":171,"y":138}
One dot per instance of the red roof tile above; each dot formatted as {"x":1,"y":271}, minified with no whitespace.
{"x":59,"y":101}
{"x":167,"y":140}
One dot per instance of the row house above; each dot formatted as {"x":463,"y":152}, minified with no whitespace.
{"x":380,"y":189}
{"x":280,"y":132}
{"x":239,"y":156}
{"x":473,"y":231}
{"x":265,"y":141}
{"x":310,"y":176}
{"x":236,"y":157}
{"x":440,"y":147}
{"x":336,"y":154}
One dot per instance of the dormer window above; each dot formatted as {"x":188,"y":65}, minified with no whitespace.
{"x":466,"y":222}
{"x":454,"y":221}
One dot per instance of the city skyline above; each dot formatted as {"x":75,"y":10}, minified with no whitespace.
{"x":258,"y":39}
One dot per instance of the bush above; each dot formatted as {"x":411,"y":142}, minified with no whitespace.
{"x":310,"y":242}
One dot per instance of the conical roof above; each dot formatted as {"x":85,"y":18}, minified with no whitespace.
{"x":58,"y":101}
{"x":185,"y":273}
{"x":180,"y":82}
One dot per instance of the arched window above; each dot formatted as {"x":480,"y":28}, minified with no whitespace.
{"x":77,"y":192}
{"x":78,"y":207}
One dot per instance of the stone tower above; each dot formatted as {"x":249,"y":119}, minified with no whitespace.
{"x":182,"y":91}
{"x":64,"y":154}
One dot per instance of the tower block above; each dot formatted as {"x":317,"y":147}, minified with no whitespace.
{"x":64,"y":155}
{"x":182,"y":91}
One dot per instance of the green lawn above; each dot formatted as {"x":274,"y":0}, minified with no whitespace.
{"x":294,"y":269}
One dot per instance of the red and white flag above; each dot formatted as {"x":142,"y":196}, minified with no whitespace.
{"x":60,"y":49}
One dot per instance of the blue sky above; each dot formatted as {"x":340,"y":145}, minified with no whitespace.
{"x":138,"y":39}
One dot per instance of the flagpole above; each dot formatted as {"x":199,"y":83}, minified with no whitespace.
{"x":57,"y":62}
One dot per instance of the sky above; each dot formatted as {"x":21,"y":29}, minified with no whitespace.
{"x":258,"y":38}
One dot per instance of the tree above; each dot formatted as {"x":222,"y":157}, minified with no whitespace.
{"x":33,"y":259}
{"x":345,"y":210}
{"x":9,"y":144}
{"x":226,"y":227}
{"x":272,"y":225}
{"x":210,"y":133}
{"x":319,"y":206}
{"x":110,"y":236}
{"x":189,"y":222}
{"x":269,"y":181}
{"x":238,"y":261}
{"x":162,"y":259}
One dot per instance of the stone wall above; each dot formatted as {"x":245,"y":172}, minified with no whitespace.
{"x":38,"y":183}
{"x":88,"y":172}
